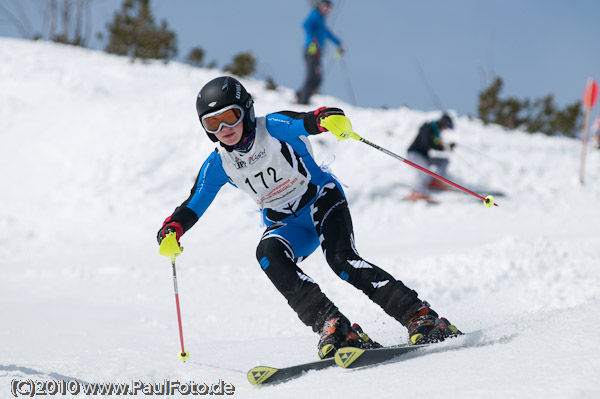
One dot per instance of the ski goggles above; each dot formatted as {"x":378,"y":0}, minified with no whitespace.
{"x":229,"y":116}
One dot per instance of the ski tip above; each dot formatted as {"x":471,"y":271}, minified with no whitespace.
{"x":260,"y":374}
{"x":344,"y":357}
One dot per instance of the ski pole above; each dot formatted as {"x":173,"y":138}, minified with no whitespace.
{"x":487,"y":201}
{"x":341,"y":127}
{"x":482,"y":154}
{"x":432,"y":92}
{"x":480,"y":176}
{"x":348,"y":82}
{"x":170,"y":247}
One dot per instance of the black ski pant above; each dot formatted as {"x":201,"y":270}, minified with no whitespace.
{"x":333,"y":225}
{"x":313,"y":77}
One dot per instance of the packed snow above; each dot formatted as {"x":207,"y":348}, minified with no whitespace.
{"x":96,"y":151}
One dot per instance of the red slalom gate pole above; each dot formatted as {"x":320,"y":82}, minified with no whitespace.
{"x":486,"y":200}
{"x":590,"y":96}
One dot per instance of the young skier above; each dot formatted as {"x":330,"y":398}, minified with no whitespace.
{"x":270,"y":158}
{"x":429,"y":138}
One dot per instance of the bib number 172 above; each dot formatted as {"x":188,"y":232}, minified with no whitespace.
{"x":270,"y":172}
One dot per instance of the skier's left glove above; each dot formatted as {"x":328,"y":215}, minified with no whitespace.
{"x":325,"y":112}
{"x":313,"y":48}
{"x":333,"y":120}
{"x":167,"y":227}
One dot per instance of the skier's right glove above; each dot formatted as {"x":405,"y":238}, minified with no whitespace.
{"x":167,"y":227}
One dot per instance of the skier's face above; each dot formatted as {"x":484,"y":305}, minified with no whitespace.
{"x":230,"y":135}
{"x":325,"y":8}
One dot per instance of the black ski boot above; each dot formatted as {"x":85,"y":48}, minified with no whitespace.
{"x":425,"y":327}
{"x":337,"y":333}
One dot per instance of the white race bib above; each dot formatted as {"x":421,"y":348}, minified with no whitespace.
{"x":264,"y":173}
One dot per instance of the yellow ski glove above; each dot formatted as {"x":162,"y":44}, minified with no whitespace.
{"x":340,"y":126}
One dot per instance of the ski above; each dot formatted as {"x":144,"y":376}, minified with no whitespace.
{"x":437,"y":186}
{"x":428,"y":199}
{"x":347,"y":357}
{"x":268,"y":375}
{"x":350,"y":357}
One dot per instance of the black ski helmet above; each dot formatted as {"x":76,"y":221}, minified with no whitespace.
{"x":445,"y":121}
{"x":221,"y":92}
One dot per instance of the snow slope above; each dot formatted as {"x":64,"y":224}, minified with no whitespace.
{"x":96,"y":151}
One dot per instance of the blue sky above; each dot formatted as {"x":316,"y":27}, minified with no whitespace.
{"x":424,"y":54}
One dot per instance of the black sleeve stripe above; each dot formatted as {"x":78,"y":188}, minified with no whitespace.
{"x":184,"y":216}
{"x":309,"y":118}
{"x":285,"y":151}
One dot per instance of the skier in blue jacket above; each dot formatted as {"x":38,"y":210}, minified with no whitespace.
{"x":303,"y":207}
{"x":316,"y":35}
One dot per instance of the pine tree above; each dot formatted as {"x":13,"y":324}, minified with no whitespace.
{"x":196,"y":57}
{"x":243,"y":64}
{"x":540,"y":115}
{"x":134,"y":33}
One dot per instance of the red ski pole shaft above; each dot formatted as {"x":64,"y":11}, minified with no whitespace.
{"x":183,"y":352}
{"x":422,"y":169}
{"x":169,"y":246}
